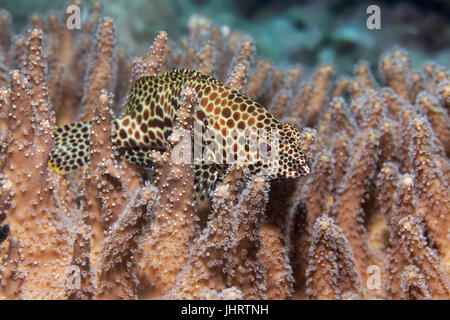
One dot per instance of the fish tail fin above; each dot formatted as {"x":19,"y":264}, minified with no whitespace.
{"x":71,"y":150}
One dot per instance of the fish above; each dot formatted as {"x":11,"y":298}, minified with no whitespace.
{"x":229,"y":125}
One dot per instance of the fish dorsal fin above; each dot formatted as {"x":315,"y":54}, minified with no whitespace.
{"x":185,"y":74}
{"x":71,"y":150}
{"x":175,"y":79}
{"x":140,"y":89}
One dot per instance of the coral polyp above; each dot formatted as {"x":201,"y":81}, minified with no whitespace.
{"x":370,"y":221}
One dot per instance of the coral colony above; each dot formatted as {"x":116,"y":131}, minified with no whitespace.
{"x":354,"y":205}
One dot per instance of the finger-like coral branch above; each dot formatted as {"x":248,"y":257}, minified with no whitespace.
{"x":101,"y":71}
{"x":175,"y":212}
{"x":331,"y":271}
{"x":409,"y":247}
{"x":150,"y":64}
{"x":432,"y":188}
{"x":39,"y":248}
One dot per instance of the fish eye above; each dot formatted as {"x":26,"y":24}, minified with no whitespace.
{"x":265,"y":147}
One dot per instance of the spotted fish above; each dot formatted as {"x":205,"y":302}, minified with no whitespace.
{"x":226,"y":121}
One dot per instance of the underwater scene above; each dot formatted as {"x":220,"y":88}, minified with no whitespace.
{"x":224,"y":150}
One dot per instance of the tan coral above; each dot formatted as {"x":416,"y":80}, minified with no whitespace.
{"x":411,"y":248}
{"x":376,"y":198}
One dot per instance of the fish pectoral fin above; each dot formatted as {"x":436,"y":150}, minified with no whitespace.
{"x":71,"y":149}
{"x":141,"y":157}
{"x":206,"y":177}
